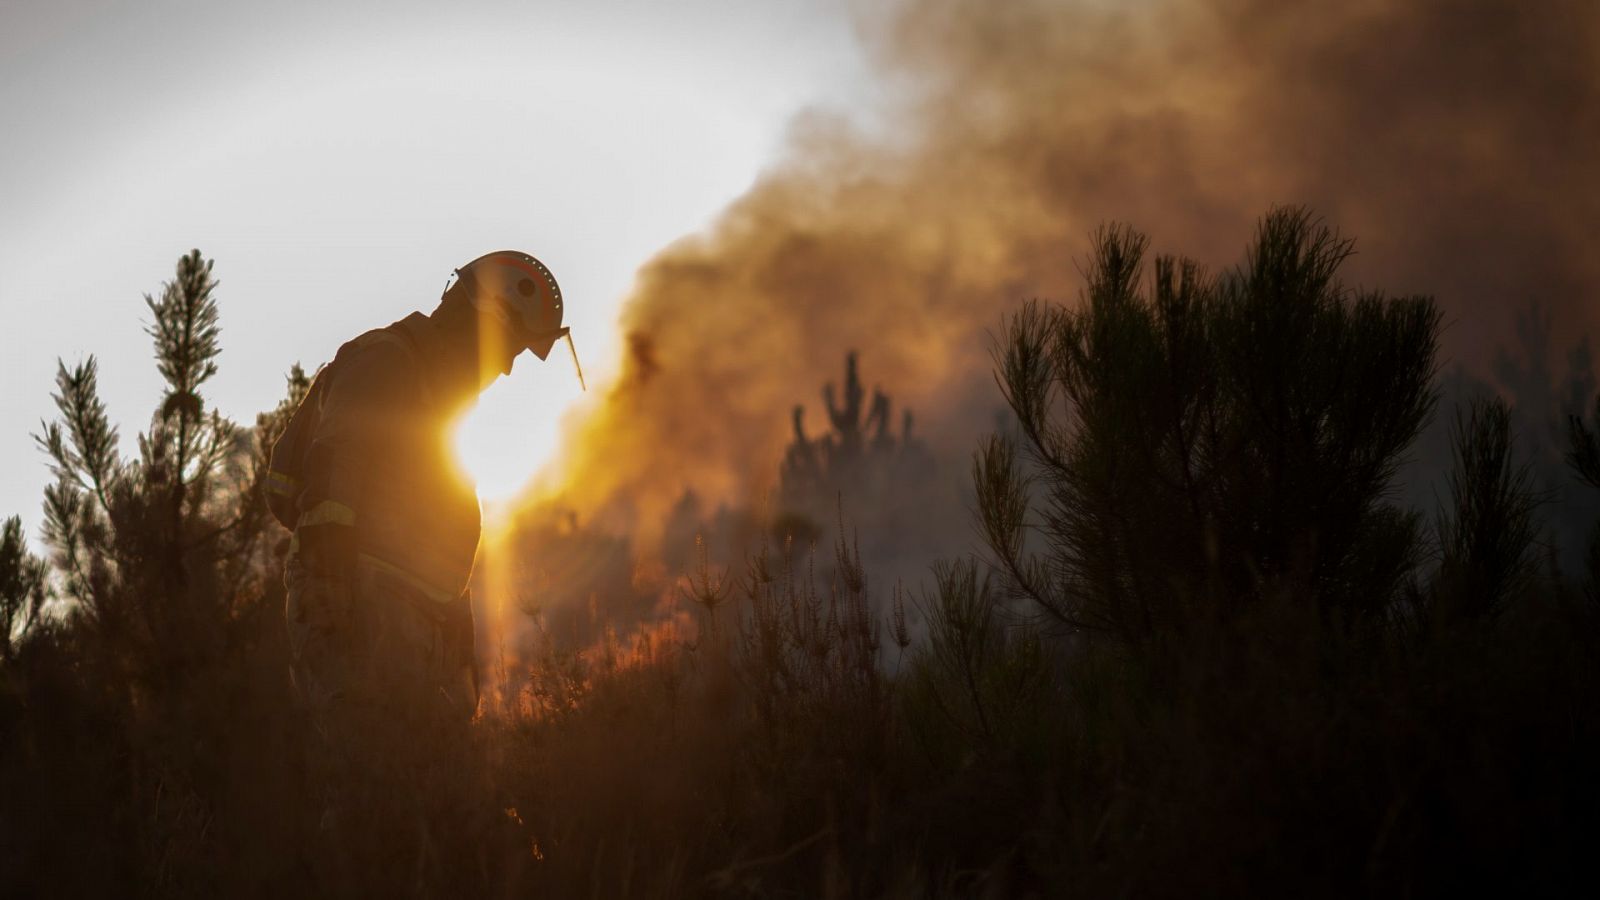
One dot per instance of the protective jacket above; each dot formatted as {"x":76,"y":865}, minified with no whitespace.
{"x":369,"y":448}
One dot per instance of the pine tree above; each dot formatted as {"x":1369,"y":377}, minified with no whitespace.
{"x":159,"y":553}
{"x":1486,"y":539}
{"x":1202,"y":444}
{"x":23,"y":587}
{"x":860,"y":457}
{"x":169,"y":583}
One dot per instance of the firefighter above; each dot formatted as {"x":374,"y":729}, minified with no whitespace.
{"x":385,"y":523}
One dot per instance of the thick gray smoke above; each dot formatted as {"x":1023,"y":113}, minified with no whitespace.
{"x":1456,"y":140}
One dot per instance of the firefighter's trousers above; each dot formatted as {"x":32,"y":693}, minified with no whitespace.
{"x":375,"y":645}
{"x":386,"y":678}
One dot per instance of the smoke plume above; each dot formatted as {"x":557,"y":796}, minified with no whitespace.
{"x":1456,"y":139}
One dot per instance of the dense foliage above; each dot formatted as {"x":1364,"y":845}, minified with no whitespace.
{"x":1204,"y":647}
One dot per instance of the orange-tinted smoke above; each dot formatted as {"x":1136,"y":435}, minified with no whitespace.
{"x":1456,"y":139}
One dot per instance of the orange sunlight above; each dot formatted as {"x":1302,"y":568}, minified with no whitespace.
{"x":514,"y":431}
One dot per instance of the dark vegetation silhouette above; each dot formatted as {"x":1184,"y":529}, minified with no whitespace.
{"x":865,"y":453}
{"x":1546,"y":379}
{"x":138,"y":747}
{"x":1584,"y":457}
{"x":1208,"y":645}
{"x":860,"y":453}
{"x":24,"y":587}
{"x":1211,"y":445}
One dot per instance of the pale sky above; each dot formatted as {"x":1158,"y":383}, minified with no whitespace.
{"x":337,"y":160}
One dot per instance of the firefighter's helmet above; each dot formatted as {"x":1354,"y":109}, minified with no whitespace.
{"x":519,"y":292}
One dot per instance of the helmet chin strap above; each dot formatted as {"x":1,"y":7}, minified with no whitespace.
{"x":573,"y":349}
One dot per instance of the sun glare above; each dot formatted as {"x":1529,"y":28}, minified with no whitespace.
{"x":514,"y":432}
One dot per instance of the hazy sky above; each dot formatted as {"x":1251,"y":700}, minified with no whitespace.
{"x":337,"y":160}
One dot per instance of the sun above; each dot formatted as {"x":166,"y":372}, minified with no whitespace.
{"x":514,"y":431}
